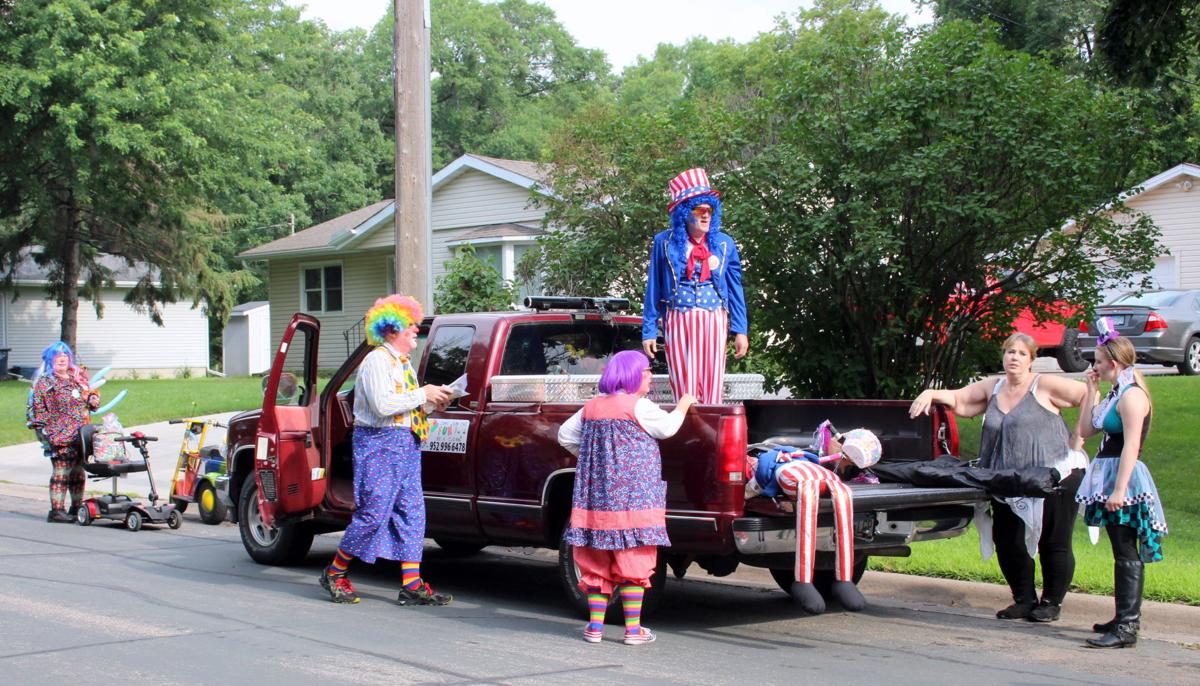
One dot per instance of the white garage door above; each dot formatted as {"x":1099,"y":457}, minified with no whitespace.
{"x":1164,"y":275}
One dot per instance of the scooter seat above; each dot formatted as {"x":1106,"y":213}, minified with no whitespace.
{"x":107,"y":469}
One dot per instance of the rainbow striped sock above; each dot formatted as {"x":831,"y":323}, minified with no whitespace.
{"x":341,"y":563}
{"x":597,"y":606}
{"x":410,"y":575}
{"x":631,"y":603}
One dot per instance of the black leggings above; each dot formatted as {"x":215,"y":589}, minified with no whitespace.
{"x":1124,"y":540}
{"x":1054,"y":547}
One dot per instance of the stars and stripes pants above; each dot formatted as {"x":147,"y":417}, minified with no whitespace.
{"x":696,"y":342}
{"x":805,"y":482}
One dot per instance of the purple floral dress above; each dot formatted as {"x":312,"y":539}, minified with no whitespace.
{"x":620,"y":498}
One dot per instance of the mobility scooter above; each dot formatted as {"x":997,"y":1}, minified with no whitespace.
{"x":118,"y":507}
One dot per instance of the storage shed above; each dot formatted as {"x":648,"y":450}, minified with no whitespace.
{"x":246,"y":345}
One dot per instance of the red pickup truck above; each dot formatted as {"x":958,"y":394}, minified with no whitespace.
{"x":494,"y":474}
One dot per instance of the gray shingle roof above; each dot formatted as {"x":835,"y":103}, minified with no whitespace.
{"x":318,"y":236}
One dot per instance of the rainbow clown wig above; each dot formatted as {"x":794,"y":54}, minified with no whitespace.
{"x":389,"y":315}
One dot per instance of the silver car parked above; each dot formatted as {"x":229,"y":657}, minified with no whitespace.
{"x":1164,"y":327}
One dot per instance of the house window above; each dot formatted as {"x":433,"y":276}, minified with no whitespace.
{"x":322,"y":285}
{"x":527,"y":284}
{"x":503,"y":256}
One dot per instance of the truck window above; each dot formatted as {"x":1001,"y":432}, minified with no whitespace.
{"x":571,"y":347}
{"x":448,"y":354}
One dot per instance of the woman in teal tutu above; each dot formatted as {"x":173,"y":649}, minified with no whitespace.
{"x":1118,"y":492}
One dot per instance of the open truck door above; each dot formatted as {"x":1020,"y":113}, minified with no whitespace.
{"x":289,"y":472}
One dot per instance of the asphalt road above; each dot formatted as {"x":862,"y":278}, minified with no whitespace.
{"x":103,"y":604}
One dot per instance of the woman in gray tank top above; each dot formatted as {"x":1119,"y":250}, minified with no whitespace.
{"x":1022,"y":427}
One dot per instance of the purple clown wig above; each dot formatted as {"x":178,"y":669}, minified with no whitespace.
{"x":683,"y":212}
{"x":54,"y":350}
{"x":389,"y":315}
{"x":623,"y":373}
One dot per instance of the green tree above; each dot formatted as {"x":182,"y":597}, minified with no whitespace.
{"x":108,"y":107}
{"x":505,"y":75}
{"x":471,"y":285}
{"x":897,"y":197}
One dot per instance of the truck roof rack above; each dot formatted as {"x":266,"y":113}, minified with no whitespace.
{"x":541,"y":303}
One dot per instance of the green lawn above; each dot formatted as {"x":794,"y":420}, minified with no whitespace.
{"x":149,"y":400}
{"x":1169,"y":451}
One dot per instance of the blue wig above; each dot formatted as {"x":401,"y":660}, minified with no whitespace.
{"x":623,"y":373}
{"x":683,"y":212}
{"x":54,"y":350}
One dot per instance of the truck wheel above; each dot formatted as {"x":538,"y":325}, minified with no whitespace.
{"x":1068,"y":355}
{"x":285,"y":544}
{"x":212,"y":510}
{"x":568,"y":575}
{"x":459,"y":548}
{"x":179,"y":503}
{"x":822,"y":578}
{"x":1191,"y":358}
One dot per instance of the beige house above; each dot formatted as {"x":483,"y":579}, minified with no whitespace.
{"x":336,"y":269}
{"x":1172,"y":200}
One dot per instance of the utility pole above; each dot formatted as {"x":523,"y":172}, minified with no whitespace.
{"x":414,"y":149}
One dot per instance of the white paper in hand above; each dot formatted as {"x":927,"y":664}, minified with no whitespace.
{"x":458,"y":387}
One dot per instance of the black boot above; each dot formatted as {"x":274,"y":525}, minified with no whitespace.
{"x":1128,"y":577}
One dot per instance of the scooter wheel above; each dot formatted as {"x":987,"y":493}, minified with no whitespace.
{"x":174,"y":520}
{"x":83,"y":516}
{"x":133,"y":520}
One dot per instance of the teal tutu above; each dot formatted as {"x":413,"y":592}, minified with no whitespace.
{"x":1142,"y":511}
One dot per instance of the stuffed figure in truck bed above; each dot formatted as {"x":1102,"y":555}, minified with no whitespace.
{"x":801,"y":476}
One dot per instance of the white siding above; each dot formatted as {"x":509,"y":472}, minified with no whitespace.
{"x":1177,"y":214}
{"x":246,"y":343}
{"x":475,"y":199}
{"x":364,"y":279}
{"x":123,"y":338}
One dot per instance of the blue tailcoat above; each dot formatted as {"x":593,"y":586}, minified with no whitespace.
{"x":668,"y":265}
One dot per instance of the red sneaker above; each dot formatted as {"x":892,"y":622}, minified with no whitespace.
{"x":339,"y":587}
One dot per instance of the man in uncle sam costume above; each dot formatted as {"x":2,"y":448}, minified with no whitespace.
{"x":694,"y":291}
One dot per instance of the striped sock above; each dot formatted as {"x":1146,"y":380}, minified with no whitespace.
{"x":341,"y":563}
{"x":631,"y":603}
{"x":410,"y":575}
{"x":597,"y":606}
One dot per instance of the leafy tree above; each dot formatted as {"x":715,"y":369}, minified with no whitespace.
{"x":109,"y":108}
{"x":471,"y":285}
{"x":505,"y":75}
{"x":896,"y":200}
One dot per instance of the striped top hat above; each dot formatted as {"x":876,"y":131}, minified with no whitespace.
{"x":689,"y":184}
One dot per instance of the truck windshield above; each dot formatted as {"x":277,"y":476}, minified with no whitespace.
{"x":569,"y":347}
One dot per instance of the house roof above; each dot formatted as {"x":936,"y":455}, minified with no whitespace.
{"x":318,"y":236}
{"x":1185,"y":169}
{"x":340,"y":232}
{"x":124,"y":274}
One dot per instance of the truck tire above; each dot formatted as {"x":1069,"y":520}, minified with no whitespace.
{"x":1191,"y":358}
{"x":286,"y":544}
{"x":1068,"y":355}
{"x":822,"y":578}
{"x":568,"y":575}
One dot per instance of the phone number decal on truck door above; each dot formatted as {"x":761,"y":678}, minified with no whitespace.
{"x":447,"y":436}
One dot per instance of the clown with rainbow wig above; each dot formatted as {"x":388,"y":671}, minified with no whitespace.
{"x":694,"y":291}
{"x":390,"y":422}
